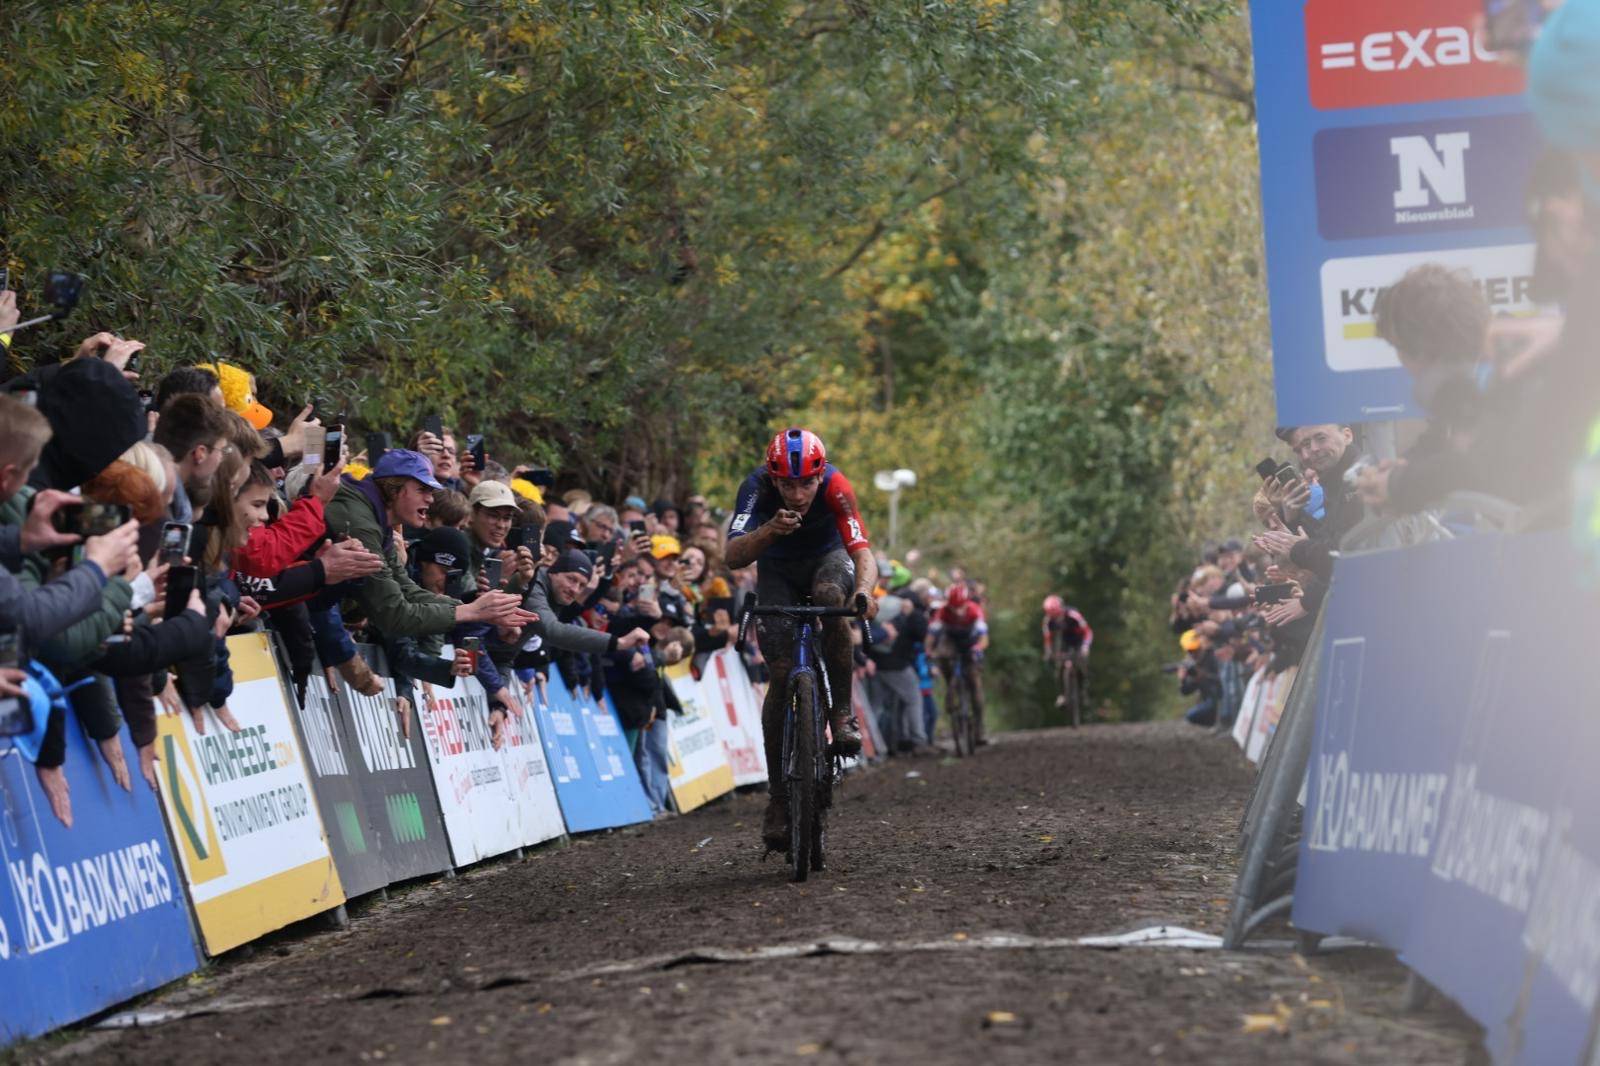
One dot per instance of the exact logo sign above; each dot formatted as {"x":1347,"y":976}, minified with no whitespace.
{"x":1350,"y":289}
{"x":1436,"y":177}
{"x":1366,"y":53}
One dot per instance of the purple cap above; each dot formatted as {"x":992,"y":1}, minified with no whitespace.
{"x":398,"y":462}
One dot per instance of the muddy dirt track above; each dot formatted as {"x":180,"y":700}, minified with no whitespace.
{"x":582,"y":954}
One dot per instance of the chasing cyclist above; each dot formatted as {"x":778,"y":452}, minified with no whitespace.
{"x":796,"y":518}
{"x":958,"y":630}
{"x":1067,"y":639}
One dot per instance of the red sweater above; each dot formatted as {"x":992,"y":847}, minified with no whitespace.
{"x":273,"y":548}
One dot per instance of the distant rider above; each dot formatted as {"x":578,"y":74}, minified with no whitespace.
{"x":959,"y":631}
{"x":1066,"y":636}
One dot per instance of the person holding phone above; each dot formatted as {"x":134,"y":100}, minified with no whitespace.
{"x":796,"y":518}
{"x":398,"y":493}
{"x":494,"y":511}
{"x":56,"y":605}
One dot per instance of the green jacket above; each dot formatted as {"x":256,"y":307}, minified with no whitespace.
{"x":74,"y":648}
{"x":394,"y":603}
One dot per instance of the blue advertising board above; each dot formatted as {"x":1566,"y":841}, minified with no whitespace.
{"x":89,"y":915}
{"x":1390,"y":137}
{"x":596,"y":780}
{"x":1450,"y":800}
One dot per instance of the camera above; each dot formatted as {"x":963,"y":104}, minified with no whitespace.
{"x":90,"y":519}
{"x":181,"y":581}
{"x":62,"y":292}
{"x":16,"y":716}
{"x":475,"y":448}
{"x":175,"y":542}
{"x":1267,"y":595}
{"x":332,"y":447}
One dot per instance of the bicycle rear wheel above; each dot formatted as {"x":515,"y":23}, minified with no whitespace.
{"x":801,"y":771}
{"x":971,"y":714}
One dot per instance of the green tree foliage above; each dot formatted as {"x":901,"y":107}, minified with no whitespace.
{"x":1001,"y":242}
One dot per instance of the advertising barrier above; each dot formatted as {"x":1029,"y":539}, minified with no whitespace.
{"x":394,"y":778}
{"x":1260,"y":711}
{"x":595,"y":778}
{"x":699,"y":770}
{"x":492,"y":801}
{"x":1451,"y":791}
{"x":242,"y":812}
{"x":736,"y":710}
{"x":344,"y":811}
{"x":1390,"y":136}
{"x":90,"y":915}
{"x":872,"y":746}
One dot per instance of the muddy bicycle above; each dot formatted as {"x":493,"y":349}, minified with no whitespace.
{"x":1069,"y":680}
{"x":809,"y":768}
{"x":963,"y":721}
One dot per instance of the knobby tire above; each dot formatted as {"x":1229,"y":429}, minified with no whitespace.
{"x":971,"y":712}
{"x":1070,"y":689}
{"x":961,"y":718}
{"x":802,"y":771}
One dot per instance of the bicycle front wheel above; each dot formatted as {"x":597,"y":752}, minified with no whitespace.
{"x":960,"y":718}
{"x":801,"y":771}
{"x":1070,"y":689}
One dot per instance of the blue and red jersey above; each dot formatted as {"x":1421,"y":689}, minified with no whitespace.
{"x":832,"y":521}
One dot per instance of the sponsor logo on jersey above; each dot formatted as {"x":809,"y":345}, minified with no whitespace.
{"x":855,"y":529}
{"x":1434,"y":177}
{"x":1366,"y":53}
{"x":740,"y":521}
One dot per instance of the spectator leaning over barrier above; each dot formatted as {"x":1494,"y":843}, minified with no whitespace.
{"x":397,"y":494}
{"x":1307,"y":533}
{"x":1437,"y":321}
{"x":90,"y":403}
{"x":41,"y":612}
{"x":565,"y":583}
{"x":440,"y":560}
{"x":194,"y":430}
{"x":494,"y":512}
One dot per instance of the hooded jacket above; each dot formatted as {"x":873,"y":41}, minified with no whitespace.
{"x":397,"y":605}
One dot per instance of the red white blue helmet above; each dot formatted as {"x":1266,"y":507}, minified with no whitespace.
{"x":1054,"y":606}
{"x":796,"y":453}
{"x":958,"y":596}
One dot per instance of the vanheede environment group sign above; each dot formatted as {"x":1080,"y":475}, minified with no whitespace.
{"x":243,"y":812}
{"x":1390,"y":137}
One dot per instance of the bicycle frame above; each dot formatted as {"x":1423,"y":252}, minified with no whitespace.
{"x":805,"y":661}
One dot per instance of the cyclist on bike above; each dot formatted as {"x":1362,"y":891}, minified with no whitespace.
{"x":1066,"y":636}
{"x":959,"y":631}
{"x":796,"y":518}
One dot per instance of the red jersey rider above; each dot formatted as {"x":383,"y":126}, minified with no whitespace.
{"x":960,"y":631}
{"x":796,"y":518}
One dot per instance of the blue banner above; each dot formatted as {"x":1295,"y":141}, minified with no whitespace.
{"x":1390,"y":137}
{"x":594,"y":773}
{"x":90,"y":915}
{"x":1450,"y":801}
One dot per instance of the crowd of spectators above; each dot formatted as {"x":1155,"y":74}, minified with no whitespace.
{"x":1511,"y":406}
{"x":143,"y":522}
